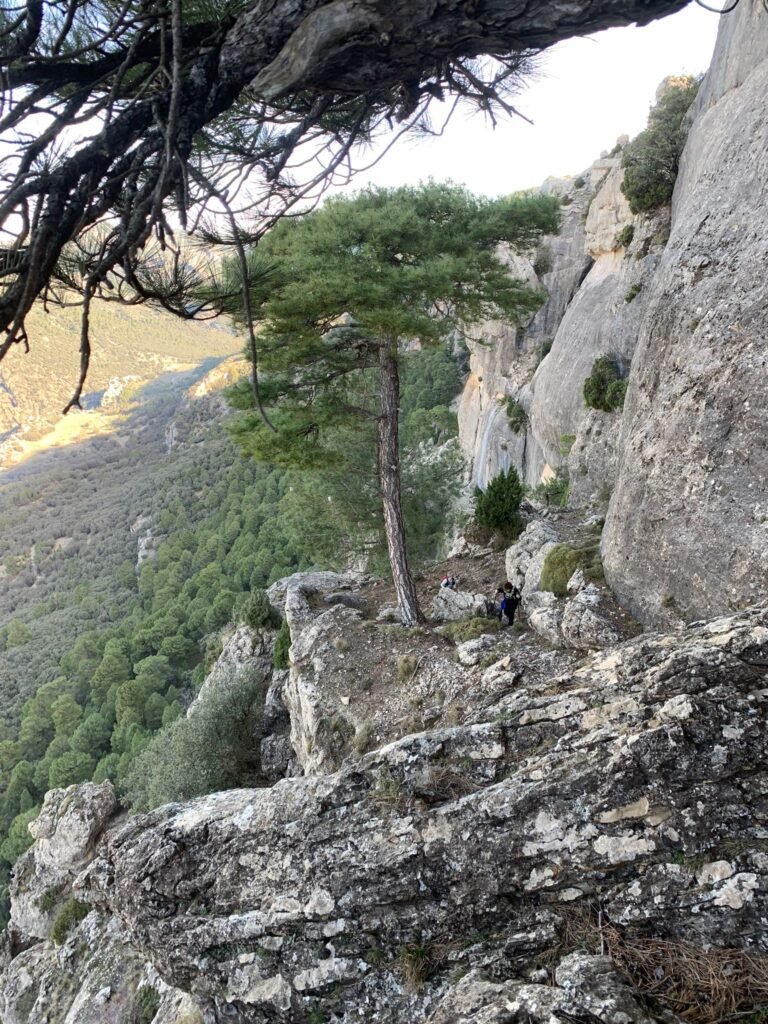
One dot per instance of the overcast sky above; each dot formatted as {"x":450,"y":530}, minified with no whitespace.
{"x":589,"y":92}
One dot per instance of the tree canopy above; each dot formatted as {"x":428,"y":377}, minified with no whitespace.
{"x":346,"y":290}
{"x":123,"y":118}
{"x":652,"y":159}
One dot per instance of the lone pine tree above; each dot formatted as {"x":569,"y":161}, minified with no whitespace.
{"x":351,"y":287}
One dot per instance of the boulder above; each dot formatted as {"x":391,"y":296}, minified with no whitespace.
{"x":246,"y":650}
{"x":454,"y":605}
{"x":582,"y":626}
{"x":586,"y":988}
{"x":545,"y":616}
{"x":472,"y":652}
{"x":524,"y":560}
{"x":65,"y":834}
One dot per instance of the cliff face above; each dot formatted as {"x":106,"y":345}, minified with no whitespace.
{"x":687,"y":531}
{"x":682,"y":308}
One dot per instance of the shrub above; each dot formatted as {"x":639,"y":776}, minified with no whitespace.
{"x":579,"y":182}
{"x":498,"y":507}
{"x":406,"y":667}
{"x":544,"y":349}
{"x":70,"y":915}
{"x":567,"y":442}
{"x":554,"y":491}
{"x":147,"y":1004}
{"x":282,"y":646}
{"x":651,"y":161}
{"x":563,"y":561}
{"x":216,"y":747}
{"x":516,"y":416}
{"x":605,"y":388}
{"x":50,"y":897}
{"x":625,"y":236}
{"x":254,"y":610}
{"x":559,"y":565}
{"x":471,"y":629}
{"x":633,"y":292}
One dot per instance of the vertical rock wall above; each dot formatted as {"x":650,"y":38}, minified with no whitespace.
{"x":687,"y":530}
{"x":504,"y":358}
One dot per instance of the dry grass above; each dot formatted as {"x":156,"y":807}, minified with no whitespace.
{"x":701,"y":986}
{"x":445,"y":784}
{"x":418,"y":964}
{"x":698,"y":985}
{"x":407,"y":666}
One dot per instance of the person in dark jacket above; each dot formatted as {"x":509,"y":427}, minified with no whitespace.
{"x":510,"y":601}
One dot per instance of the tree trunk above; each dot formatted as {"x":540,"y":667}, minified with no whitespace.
{"x":389,"y":473}
{"x":356,"y":47}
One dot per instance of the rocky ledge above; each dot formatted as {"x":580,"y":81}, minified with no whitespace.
{"x":569,"y":857}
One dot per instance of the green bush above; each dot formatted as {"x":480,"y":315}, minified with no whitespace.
{"x":563,"y":561}
{"x":544,"y":349}
{"x":50,"y":898}
{"x":70,"y":915}
{"x":625,"y":236}
{"x":216,"y":747}
{"x":554,"y":491}
{"x":651,"y":161}
{"x":516,"y":416}
{"x":498,"y":507}
{"x":605,"y":388}
{"x":633,"y":292}
{"x":282,"y":646}
{"x":147,"y":1004}
{"x":559,"y":565}
{"x":254,"y":610}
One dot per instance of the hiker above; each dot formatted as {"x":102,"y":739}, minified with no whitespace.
{"x":510,"y":601}
{"x":448,"y":582}
{"x":498,"y":602}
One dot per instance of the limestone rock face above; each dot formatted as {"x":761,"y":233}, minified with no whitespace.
{"x":65,"y":831}
{"x":601,"y":320}
{"x":454,"y":605}
{"x":95,"y":977}
{"x":503,"y":358}
{"x":686,"y":532}
{"x":681,"y":311}
{"x":582,"y":625}
{"x":609,"y":211}
{"x":632,"y":783}
{"x":246,"y":650}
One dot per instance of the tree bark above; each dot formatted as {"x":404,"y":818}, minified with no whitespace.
{"x":389,"y":473}
{"x":359,"y":46}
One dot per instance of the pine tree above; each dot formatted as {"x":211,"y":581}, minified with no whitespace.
{"x":345,"y":290}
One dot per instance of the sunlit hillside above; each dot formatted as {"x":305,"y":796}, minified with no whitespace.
{"x":127,"y":342}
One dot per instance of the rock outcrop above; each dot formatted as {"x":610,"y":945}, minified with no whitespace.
{"x":577,"y":621}
{"x":686,"y":533}
{"x":632,"y":784}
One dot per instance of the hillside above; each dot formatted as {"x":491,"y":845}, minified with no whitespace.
{"x":134,"y":343}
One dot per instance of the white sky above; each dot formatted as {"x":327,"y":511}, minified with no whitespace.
{"x":589,"y":92}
